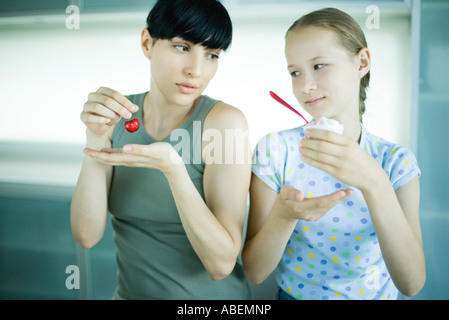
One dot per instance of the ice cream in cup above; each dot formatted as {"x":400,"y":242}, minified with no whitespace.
{"x":324,"y":123}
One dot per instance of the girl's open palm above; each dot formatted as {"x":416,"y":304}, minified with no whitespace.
{"x":299,"y":207}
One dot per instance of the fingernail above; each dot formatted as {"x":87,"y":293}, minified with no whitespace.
{"x":127,"y":148}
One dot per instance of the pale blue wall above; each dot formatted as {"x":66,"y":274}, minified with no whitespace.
{"x":433,"y":145}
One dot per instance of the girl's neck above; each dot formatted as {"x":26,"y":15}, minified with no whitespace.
{"x":353,"y":129}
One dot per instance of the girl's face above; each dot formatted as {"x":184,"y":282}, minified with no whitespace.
{"x":180,"y":70}
{"x":325,"y":76}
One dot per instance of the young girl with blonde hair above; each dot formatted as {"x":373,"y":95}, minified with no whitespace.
{"x":338,"y":214}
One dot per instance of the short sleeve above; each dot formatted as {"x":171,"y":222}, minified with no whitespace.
{"x":268,"y":161}
{"x":401,"y":166}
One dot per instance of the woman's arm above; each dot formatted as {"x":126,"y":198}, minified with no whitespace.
{"x":89,"y":208}
{"x":88,"y":213}
{"x":214,"y":226}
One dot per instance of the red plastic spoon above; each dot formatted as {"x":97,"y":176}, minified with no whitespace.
{"x":278,"y":99}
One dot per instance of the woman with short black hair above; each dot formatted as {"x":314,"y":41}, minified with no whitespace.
{"x":178,"y":204}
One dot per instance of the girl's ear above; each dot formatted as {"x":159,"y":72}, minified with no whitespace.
{"x":364,"y":62}
{"x":146,"y":43}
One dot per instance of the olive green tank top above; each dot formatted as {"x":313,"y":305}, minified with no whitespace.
{"x":154,"y":256}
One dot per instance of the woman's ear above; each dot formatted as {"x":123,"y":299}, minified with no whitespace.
{"x":364,"y":62}
{"x":146,"y":43}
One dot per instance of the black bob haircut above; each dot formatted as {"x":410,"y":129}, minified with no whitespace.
{"x":204,"y":22}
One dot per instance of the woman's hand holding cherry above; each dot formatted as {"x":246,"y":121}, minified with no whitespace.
{"x":103,"y":110}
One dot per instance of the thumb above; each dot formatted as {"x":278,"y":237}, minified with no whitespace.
{"x":290,"y":193}
{"x":298,"y":195}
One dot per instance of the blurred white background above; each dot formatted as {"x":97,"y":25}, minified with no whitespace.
{"x":47,"y":70}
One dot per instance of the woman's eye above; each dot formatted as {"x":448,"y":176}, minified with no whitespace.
{"x":319,"y":66}
{"x":213,"y":56}
{"x":181,"y":48}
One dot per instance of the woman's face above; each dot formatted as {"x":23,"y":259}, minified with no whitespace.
{"x":325,"y":77}
{"x":181,"y":70}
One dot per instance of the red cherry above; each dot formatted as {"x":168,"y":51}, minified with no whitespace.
{"x":132,"y":125}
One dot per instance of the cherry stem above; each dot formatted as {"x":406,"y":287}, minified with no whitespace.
{"x":285,"y":104}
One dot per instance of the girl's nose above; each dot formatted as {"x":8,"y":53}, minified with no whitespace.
{"x":308,"y":84}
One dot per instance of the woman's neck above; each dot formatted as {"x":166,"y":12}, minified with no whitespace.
{"x":160,"y":117}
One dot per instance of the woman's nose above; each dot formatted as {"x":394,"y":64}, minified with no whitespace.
{"x":194,"y":65}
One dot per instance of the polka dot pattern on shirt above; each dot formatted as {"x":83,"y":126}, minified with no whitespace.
{"x":337,"y":256}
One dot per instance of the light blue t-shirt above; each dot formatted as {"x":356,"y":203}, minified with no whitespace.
{"x":337,"y":256}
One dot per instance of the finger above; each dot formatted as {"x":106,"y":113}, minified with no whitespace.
{"x":113,"y":156}
{"x":328,"y":201}
{"x":319,"y":134}
{"x":93,"y":118}
{"x":119,"y":98}
{"x":339,"y":195}
{"x":321,"y":146}
{"x":112,"y":150}
{"x":104,"y":157}
{"x":98,"y":99}
{"x":314,"y":208}
{"x":324,"y":166}
{"x":101,"y":110}
{"x":319,"y":155}
{"x":288,"y":192}
{"x":155,"y":151}
{"x":298,"y":196}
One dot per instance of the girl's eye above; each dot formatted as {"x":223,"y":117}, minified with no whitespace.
{"x":295,"y":74}
{"x":319,"y":66}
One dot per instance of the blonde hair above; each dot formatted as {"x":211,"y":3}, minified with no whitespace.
{"x":349,"y":33}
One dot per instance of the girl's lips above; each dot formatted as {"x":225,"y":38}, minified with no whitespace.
{"x":314,"y":102}
{"x":187,"y":88}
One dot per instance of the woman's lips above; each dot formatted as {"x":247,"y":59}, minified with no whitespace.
{"x":187,"y":88}
{"x":314,"y":101}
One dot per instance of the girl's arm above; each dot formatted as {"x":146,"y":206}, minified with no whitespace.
{"x":272,"y":219}
{"x":214,"y":226}
{"x":267,"y":234}
{"x":395,"y":214}
{"x":396,"y":219}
